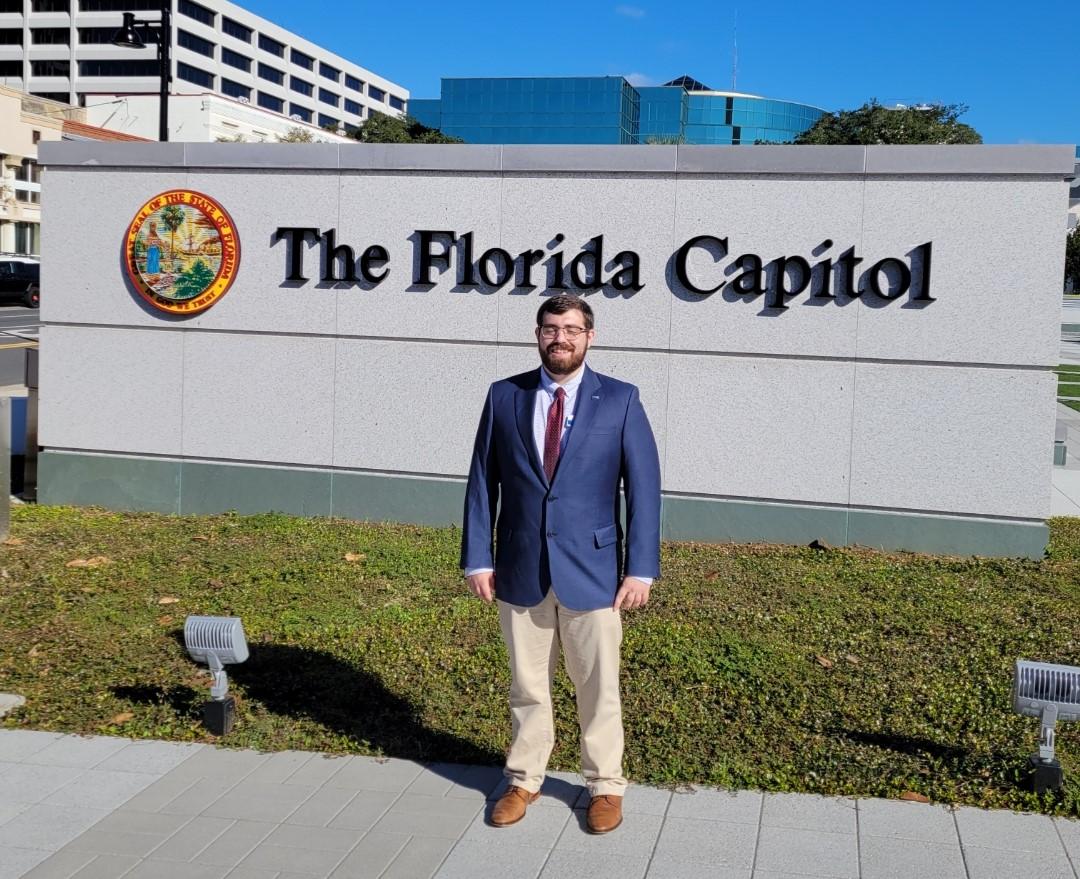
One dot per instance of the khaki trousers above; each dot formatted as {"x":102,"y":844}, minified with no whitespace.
{"x":590,"y":645}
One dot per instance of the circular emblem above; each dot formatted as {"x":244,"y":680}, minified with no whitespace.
{"x":182,"y":251}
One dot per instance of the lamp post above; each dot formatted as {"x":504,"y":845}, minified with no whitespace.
{"x":130,"y":38}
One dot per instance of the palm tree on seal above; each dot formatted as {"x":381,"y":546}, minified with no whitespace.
{"x":172,"y":217}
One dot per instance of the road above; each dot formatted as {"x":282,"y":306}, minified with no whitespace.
{"x":17,"y":326}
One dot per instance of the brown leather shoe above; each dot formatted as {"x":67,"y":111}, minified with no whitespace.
{"x":605,"y":813}
{"x":511,"y":806}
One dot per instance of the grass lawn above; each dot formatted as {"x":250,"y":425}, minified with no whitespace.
{"x":782,"y":668}
{"x":1068,"y":390}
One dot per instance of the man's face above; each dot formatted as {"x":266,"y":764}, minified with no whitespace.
{"x":563,"y":341}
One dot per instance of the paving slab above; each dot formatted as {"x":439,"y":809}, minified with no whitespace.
{"x":737,"y":807}
{"x":809,"y":812}
{"x":1007,"y":830}
{"x":707,"y":843}
{"x":593,"y":865}
{"x":80,"y":752}
{"x":906,"y":820}
{"x":986,"y":863}
{"x":813,"y":852}
{"x":883,"y":857}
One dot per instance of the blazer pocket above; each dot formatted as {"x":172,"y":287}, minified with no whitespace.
{"x":605,"y":536}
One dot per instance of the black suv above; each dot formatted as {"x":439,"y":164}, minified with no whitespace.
{"x":20,"y":281}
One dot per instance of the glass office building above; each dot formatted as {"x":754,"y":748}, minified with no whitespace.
{"x":607,"y":110}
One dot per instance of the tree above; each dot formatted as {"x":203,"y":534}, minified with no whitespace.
{"x":381,"y":128}
{"x":874,"y":124}
{"x":173,"y":218}
{"x":192,"y":282}
{"x":296,"y":134}
{"x":1072,"y":259}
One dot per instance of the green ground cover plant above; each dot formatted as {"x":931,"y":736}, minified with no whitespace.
{"x":834,"y":671}
{"x":1068,"y":390}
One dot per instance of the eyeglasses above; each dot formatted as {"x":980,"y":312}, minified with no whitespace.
{"x":549,"y":332}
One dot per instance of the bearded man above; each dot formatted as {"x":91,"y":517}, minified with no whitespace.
{"x":553,"y":448}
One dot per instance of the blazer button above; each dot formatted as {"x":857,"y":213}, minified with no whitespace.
{"x":553,"y":534}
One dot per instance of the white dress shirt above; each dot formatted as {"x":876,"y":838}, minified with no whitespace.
{"x":545,"y":396}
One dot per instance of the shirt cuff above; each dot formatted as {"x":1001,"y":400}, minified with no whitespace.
{"x":646,"y":580}
{"x":470,"y":571}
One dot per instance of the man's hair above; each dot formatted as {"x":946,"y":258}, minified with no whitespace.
{"x":563,"y":303}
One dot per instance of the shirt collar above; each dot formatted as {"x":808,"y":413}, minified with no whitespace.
{"x":549,"y":384}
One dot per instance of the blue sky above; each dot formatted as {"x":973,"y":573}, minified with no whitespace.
{"x":1016,"y":65}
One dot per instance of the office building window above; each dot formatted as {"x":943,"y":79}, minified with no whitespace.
{"x":27,"y":238}
{"x":49,"y":35}
{"x":11,"y":68}
{"x":194,"y":43}
{"x":50,"y":6}
{"x":62,"y":97}
{"x":328,"y":122}
{"x":375,"y":94}
{"x":397,"y":103}
{"x":269,"y":102}
{"x":329,"y":72}
{"x":11,"y":6}
{"x":303,"y":112}
{"x":235,"y":29}
{"x":298,"y":85}
{"x":353,"y":107}
{"x":271,"y":73}
{"x":119,"y":6}
{"x":353,"y":83}
{"x":302,"y":60}
{"x":11,"y":36}
{"x":235,"y":59}
{"x":111,"y":67}
{"x":194,"y":10}
{"x":96,"y":35}
{"x":328,"y":97}
{"x":193,"y":74}
{"x":50,"y":68}
{"x":234,"y":89}
{"x":269,"y":44}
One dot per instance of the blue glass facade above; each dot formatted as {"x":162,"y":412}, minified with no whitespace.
{"x":607,"y":110}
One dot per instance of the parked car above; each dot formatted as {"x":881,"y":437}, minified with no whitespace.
{"x":20,"y":281}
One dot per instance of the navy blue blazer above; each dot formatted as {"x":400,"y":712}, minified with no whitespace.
{"x":565,"y":534}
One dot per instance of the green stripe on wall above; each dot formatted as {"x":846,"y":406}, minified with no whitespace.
{"x":131,"y":483}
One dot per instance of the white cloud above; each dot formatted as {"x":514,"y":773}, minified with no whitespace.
{"x":640,"y":79}
{"x":630,"y":11}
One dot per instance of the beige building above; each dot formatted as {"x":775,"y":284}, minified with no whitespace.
{"x":26,"y":121}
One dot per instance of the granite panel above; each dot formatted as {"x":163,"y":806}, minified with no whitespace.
{"x":113,"y":482}
{"x":110,"y":389}
{"x":389,"y":210}
{"x":399,"y":407}
{"x":770,"y":217}
{"x":261,"y":398}
{"x":996,"y":283}
{"x":216,"y":488}
{"x":82,"y":244}
{"x":730,"y":440}
{"x":937,"y":439}
{"x":631,"y":212}
{"x":260,"y":298}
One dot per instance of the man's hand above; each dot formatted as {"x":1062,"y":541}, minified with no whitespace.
{"x":483,"y":585}
{"x":632,"y":594}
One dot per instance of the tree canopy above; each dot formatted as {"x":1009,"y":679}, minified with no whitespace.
{"x":1072,"y":259}
{"x":381,"y":128}
{"x":873,"y":123}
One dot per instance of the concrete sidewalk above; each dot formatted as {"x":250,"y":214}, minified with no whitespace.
{"x":106,"y":808}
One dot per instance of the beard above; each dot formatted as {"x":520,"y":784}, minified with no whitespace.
{"x":561,"y":359}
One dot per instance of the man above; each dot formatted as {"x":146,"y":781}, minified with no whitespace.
{"x":552,"y":448}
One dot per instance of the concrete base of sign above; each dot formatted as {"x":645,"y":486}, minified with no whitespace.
{"x":195,"y":487}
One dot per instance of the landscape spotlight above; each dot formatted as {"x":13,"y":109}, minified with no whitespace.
{"x":1051,"y":693}
{"x":217,"y":642}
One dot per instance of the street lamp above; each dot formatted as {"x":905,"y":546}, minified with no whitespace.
{"x":130,"y":38}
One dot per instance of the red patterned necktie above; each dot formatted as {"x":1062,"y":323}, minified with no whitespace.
{"x":553,"y":435}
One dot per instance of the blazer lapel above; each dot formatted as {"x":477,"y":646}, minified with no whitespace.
{"x":589,"y":398}
{"x":525,"y":405}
